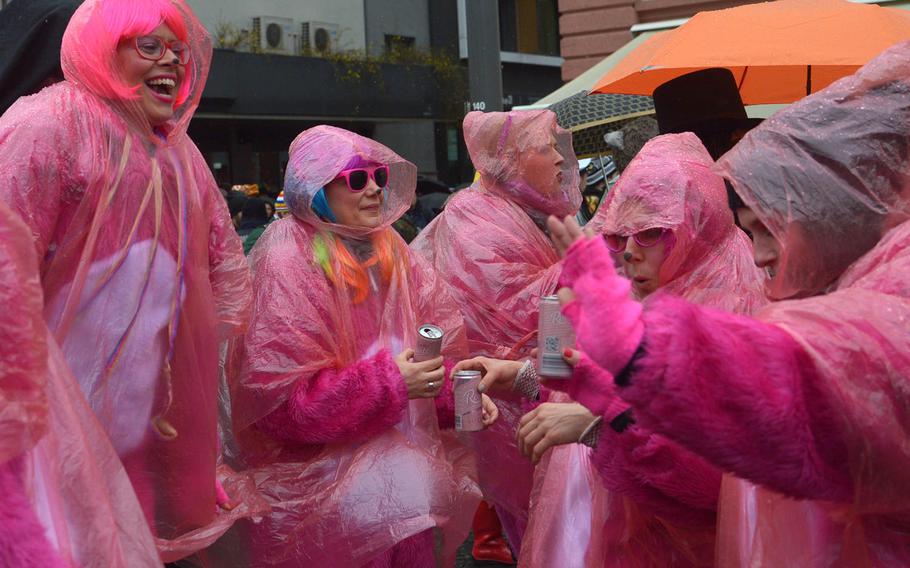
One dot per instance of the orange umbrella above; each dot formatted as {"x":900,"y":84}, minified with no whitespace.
{"x":779,"y":51}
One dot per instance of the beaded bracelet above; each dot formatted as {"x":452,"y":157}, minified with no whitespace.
{"x":591,"y":434}
{"x":527,"y":382}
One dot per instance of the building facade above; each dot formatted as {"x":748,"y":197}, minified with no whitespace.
{"x":281,"y":66}
{"x":392,"y":70}
{"x":593,"y":29}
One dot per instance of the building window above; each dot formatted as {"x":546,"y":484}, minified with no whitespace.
{"x":529,"y":26}
{"x":398,"y":44}
{"x":508,"y":25}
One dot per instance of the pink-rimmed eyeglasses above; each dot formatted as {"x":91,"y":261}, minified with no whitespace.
{"x":646,"y":239}
{"x":357,"y":178}
{"x":153,"y":48}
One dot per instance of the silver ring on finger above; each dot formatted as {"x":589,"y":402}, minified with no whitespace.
{"x":431,"y":385}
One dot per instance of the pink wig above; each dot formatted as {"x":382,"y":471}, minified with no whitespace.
{"x":89,"y":51}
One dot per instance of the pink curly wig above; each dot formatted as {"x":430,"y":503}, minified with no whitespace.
{"x":89,"y":50}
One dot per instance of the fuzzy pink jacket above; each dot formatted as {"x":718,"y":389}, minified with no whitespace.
{"x":760,"y":422}
{"x":351,"y":404}
{"x":738,"y":391}
{"x":742,"y":393}
{"x":808,"y":400}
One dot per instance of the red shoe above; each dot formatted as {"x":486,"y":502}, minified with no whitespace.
{"x":489,"y":544}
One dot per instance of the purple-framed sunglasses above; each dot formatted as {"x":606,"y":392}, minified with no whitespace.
{"x":645,"y":239}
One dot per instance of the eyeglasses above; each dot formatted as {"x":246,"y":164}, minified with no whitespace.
{"x":647,"y":238}
{"x":357,"y":178}
{"x":153,"y":48}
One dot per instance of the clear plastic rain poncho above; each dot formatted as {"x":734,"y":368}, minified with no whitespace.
{"x":670,"y":185}
{"x":830,"y":178}
{"x":489,"y":246}
{"x":486,"y":243}
{"x":141,"y":270}
{"x":23,"y":403}
{"x":67,"y":468}
{"x":569,"y":509}
{"x":342,"y":503}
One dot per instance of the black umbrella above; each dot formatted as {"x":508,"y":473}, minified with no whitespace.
{"x":589,"y":117}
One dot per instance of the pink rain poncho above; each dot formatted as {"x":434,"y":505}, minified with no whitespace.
{"x":350,"y":466}
{"x":659,"y":510}
{"x":23,"y":402}
{"x":142,"y":272}
{"x":488,"y":242}
{"x":810,"y":400}
{"x":488,"y":245}
{"x":568,"y":508}
{"x":65,"y":497}
{"x":671,"y":186}
{"x":23,"y":399}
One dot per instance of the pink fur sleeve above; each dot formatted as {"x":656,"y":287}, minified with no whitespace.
{"x":347,"y":405}
{"x":591,"y":385}
{"x":658,"y":474}
{"x":607,"y":321}
{"x":741,"y":393}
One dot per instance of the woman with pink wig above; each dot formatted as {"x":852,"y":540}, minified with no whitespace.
{"x":808,"y":400}
{"x":338,"y":424}
{"x":141,"y":271}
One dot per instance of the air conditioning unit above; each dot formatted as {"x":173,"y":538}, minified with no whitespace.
{"x":273,"y":35}
{"x":319,"y":37}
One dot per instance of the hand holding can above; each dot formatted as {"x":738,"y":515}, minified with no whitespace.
{"x":468,"y":404}
{"x":424,"y":379}
{"x":554,"y":336}
{"x":429,"y":342}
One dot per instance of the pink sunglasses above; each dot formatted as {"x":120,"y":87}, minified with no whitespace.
{"x":646,"y":239}
{"x":357,"y":178}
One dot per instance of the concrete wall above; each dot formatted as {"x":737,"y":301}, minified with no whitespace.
{"x":348,"y":14}
{"x":396,"y":17}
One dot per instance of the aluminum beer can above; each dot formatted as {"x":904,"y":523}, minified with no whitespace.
{"x":554,"y":334}
{"x":429,"y":342}
{"x":468,"y":407}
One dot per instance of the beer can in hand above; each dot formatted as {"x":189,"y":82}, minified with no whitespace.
{"x":429,"y":343}
{"x":468,"y":407}
{"x":554,"y":334}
